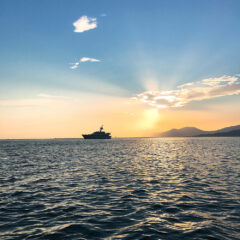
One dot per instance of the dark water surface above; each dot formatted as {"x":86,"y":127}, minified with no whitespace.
{"x":186,"y":188}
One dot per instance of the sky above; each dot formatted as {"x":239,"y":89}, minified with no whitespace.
{"x":138,"y":67}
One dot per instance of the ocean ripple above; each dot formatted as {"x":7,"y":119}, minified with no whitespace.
{"x":183,"y":188}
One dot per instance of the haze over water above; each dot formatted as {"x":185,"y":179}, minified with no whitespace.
{"x":146,"y":188}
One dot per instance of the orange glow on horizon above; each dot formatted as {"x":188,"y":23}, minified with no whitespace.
{"x":70,"y":118}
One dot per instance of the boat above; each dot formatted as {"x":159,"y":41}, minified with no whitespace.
{"x":98,"y":135}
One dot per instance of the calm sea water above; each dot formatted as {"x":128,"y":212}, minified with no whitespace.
{"x":186,"y":188}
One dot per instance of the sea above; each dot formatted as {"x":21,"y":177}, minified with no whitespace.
{"x":130,"y":188}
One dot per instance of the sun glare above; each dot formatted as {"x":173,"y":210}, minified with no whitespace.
{"x":149,"y":119}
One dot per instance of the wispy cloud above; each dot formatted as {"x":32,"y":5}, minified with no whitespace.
{"x":74,"y":65}
{"x":85,"y":23}
{"x":44,"y":95}
{"x":193,"y":91}
{"x":42,"y":99}
{"x":103,"y":15}
{"x":28,"y":102}
{"x":83,"y":59}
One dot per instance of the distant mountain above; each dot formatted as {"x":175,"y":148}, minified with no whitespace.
{"x":234,"y":133}
{"x":227,"y":129}
{"x":182,"y":132}
{"x":193,"y":132}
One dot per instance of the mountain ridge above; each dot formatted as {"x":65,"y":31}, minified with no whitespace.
{"x":233,"y":133}
{"x":194,"y":132}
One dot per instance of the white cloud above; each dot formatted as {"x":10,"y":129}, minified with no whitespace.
{"x":194,"y":91}
{"x":86,"y":59}
{"x":85,"y":23}
{"x":103,"y":15}
{"x":83,"y":59}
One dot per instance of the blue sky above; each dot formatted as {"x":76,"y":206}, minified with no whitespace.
{"x":158,"y":36}
{"x":167,"y":42}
